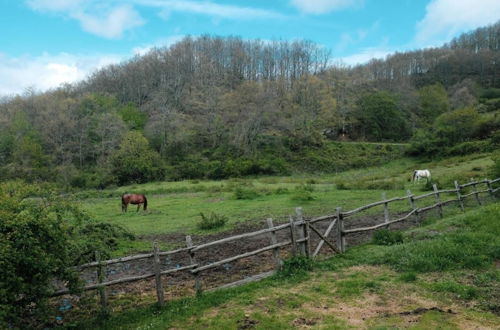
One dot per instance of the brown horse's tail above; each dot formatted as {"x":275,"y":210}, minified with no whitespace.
{"x":145,"y":203}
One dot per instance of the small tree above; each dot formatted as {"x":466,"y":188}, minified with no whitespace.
{"x":135,"y":161}
{"x":380,"y":118}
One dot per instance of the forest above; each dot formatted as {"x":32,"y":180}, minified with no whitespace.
{"x":218,"y":107}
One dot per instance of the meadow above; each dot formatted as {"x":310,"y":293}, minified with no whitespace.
{"x":175,"y":207}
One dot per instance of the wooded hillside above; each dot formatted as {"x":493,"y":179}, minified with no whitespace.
{"x":220,"y":107}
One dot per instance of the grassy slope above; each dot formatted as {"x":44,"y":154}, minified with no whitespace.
{"x":448,"y":266}
{"x":175,"y":206}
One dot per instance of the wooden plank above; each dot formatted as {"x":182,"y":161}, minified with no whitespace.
{"x":327,"y":232}
{"x":472,"y":183}
{"x":274,"y":241}
{"x":411,"y":200}
{"x":100,"y":279}
{"x":292,"y":235}
{"x":300,"y":231}
{"x":241,"y":256}
{"x":476,"y":194}
{"x":423,"y":196}
{"x":322,"y":218}
{"x":438,"y":200}
{"x":115,"y":261}
{"x":250,"y":279}
{"x":192,"y":260}
{"x":362,"y":208}
{"x":158,"y":283}
{"x":324,"y":239}
{"x":386,"y":209}
{"x":495,"y":180}
{"x":339,"y":229}
{"x":308,"y":235}
{"x":459,"y":197}
{"x":358,"y":230}
{"x":238,"y":237}
{"x":490,"y":189}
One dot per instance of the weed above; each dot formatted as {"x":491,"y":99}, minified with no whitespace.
{"x":408,"y":277}
{"x":211,"y":222}
{"x":295,"y":267}
{"x":245,"y":193}
{"x":387,"y":237}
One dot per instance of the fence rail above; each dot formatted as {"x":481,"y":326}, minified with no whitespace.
{"x":300,"y":231}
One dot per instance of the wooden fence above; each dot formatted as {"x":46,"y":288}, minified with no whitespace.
{"x":299,"y":231}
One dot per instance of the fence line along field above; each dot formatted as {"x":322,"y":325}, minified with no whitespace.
{"x":300,"y":235}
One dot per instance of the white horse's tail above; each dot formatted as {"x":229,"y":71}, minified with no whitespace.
{"x":414,"y":176}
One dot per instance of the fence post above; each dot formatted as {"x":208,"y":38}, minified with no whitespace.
{"x":438,"y":200}
{"x":341,"y":243}
{"x":159,"y":284}
{"x":459,"y":196}
{"x":411,"y":200}
{"x":274,"y":240}
{"x":292,"y":235}
{"x":100,"y":279}
{"x":386,"y":209}
{"x":474,"y":189}
{"x":192,"y":260}
{"x":490,"y":188}
{"x":300,"y":231}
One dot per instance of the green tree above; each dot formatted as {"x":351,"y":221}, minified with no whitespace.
{"x":135,"y":161}
{"x":457,"y":126}
{"x":134,"y":118}
{"x":380,"y":118}
{"x":433,"y":102}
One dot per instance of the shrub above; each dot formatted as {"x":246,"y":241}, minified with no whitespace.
{"x":41,"y":237}
{"x":387,"y":237}
{"x":302,"y":196}
{"x":212,"y":221}
{"x":245,"y":193}
{"x":296,"y":266}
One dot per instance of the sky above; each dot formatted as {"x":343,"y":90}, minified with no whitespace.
{"x":46,"y":43}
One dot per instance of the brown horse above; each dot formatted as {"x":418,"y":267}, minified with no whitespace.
{"x":136,"y":199}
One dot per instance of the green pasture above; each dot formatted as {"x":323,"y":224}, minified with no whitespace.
{"x":175,"y":207}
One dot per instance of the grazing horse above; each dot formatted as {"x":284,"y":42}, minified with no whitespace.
{"x":419,"y":174}
{"x":136,"y":199}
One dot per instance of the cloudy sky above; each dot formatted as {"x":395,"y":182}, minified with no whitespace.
{"x":45,"y":43}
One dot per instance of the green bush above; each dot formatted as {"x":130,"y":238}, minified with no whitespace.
{"x":297,"y":266}
{"x":42,"y":236}
{"x":387,"y":237}
{"x":213,"y":221}
{"x":245,"y":193}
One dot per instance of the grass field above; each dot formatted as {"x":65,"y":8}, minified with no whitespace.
{"x":444,"y":275}
{"x":176,"y":206}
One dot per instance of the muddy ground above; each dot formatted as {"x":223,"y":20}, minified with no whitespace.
{"x":182,"y":283}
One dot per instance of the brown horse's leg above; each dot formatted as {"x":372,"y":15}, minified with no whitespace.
{"x":124,"y":207}
{"x":138,"y":207}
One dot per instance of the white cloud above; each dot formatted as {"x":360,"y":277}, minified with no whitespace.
{"x":104,"y":21}
{"x":445,"y":19}
{"x":208,"y":8}
{"x":365,"y":55}
{"x":113,"y":24}
{"x":323,"y":6}
{"x":47,"y":71}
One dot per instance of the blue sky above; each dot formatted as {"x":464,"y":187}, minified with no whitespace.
{"x":48,"y":42}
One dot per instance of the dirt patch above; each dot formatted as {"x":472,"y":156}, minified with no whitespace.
{"x":246,"y":323}
{"x":181,"y":284}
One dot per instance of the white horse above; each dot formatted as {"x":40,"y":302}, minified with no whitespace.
{"x":419,"y":174}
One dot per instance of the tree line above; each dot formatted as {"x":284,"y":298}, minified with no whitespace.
{"x":218,"y":107}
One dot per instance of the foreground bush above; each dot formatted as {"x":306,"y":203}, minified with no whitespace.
{"x":41,"y":237}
